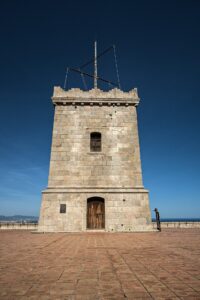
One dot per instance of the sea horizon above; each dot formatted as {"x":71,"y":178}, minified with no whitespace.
{"x":19,"y":218}
{"x":177,"y":219}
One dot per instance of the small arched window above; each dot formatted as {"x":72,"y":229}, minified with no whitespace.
{"x":95,"y":142}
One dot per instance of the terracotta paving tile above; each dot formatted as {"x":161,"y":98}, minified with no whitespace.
{"x":160,"y":297}
{"x":189,"y":295}
{"x":195,"y":286}
{"x":169,"y":296}
{"x":97,"y":266}
{"x":86,"y":297}
{"x":137,"y":295}
{"x":34,"y":297}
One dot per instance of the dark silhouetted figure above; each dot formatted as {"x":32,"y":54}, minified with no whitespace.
{"x":157,"y":219}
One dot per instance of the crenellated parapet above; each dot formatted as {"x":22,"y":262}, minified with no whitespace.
{"x":95,"y":96}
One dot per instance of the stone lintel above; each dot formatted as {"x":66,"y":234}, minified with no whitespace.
{"x":95,"y":96}
{"x":94,"y":190}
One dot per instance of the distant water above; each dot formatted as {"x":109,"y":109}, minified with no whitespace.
{"x":178,"y":219}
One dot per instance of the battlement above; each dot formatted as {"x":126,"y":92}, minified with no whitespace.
{"x":95,"y":96}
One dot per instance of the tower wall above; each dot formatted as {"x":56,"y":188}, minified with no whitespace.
{"x":74,"y":165}
{"x":76,"y":173}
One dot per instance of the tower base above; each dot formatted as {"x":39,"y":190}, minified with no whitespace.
{"x":112,"y":210}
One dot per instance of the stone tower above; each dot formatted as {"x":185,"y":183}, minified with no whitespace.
{"x":95,"y":177}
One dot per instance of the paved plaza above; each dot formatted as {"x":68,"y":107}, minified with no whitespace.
{"x":98,"y":265}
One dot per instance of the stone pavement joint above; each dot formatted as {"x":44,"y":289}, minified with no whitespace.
{"x":100,"y":266}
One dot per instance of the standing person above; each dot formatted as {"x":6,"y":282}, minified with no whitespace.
{"x":158,"y":219}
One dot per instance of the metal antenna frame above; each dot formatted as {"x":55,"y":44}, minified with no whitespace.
{"x":98,"y":56}
{"x":95,"y":65}
{"x":116,"y":66}
{"x":90,"y":75}
{"x":95,"y":76}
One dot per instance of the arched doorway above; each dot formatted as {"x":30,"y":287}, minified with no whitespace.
{"x":95,"y":213}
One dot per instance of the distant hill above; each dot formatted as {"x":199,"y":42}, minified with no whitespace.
{"x":18,"y":218}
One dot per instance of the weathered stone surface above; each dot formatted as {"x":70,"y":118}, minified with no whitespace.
{"x":113,"y":174}
{"x":96,"y":95}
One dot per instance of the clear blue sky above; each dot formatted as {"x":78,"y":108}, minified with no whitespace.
{"x":158,"y":46}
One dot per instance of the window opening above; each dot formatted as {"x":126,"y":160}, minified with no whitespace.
{"x":62,"y":208}
{"x":95,"y":142}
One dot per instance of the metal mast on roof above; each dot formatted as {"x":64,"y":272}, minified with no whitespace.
{"x":95,"y":75}
{"x":95,"y":64}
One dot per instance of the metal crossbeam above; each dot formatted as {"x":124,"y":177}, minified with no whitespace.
{"x":92,"y":60}
{"x":92,"y":76}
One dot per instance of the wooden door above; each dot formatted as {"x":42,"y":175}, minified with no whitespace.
{"x":95,"y":214}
